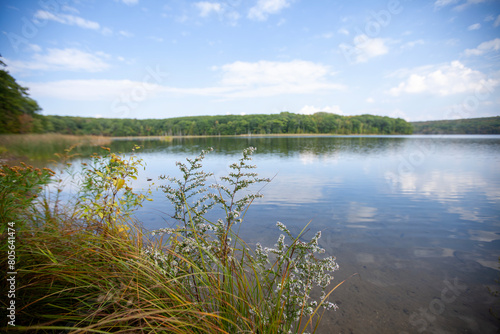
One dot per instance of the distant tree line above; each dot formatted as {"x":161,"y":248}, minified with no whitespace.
{"x":283,"y":123}
{"x":485,"y":125}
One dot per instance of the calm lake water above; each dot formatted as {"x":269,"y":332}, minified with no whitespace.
{"x":416,"y":217}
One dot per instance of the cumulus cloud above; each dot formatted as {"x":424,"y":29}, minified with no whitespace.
{"x":309,"y":110}
{"x":493,"y":45}
{"x":206,"y":8}
{"x":267,"y":78}
{"x":67,"y":19}
{"x":264,"y":8}
{"x":443,"y":80}
{"x":221,"y":9}
{"x":62,"y":60}
{"x":364,"y":48}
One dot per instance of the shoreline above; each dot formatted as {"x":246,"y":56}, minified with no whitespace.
{"x":284,"y":135}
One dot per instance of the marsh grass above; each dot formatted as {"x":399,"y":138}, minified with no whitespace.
{"x":76,"y":280}
{"x":43,"y":146}
{"x":89,"y":266}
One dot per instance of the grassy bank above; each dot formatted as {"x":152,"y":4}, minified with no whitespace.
{"x":85,"y":264}
{"x":41,"y":147}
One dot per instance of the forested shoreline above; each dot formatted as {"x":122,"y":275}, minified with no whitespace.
{"x":283,"y":123}
{"x":483,"y":125}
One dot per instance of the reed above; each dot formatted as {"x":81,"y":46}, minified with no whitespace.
{"x":44,"y":146}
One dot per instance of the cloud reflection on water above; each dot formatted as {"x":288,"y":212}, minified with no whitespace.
{"x":453,"y":189}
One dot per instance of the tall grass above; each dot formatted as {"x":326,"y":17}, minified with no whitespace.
{"x":43,"y":146}
{"x":86,"y":283}
{"x":89,"y":266}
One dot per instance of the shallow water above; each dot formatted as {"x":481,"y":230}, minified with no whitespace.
{"x":416,"y":217}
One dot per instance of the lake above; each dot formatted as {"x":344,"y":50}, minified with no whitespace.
{"x":416,"y":217}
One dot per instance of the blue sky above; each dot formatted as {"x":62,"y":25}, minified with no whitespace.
{"x":419,"y":60}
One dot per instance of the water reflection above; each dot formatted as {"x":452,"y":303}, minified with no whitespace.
{"x":404,"y":211}
{"x":444,"y":186}
{"x":360,"y":213}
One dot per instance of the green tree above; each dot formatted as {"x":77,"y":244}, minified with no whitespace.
{"x":17,"y":109}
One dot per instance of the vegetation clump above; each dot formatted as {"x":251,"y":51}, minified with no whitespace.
{"x":85,"y":264}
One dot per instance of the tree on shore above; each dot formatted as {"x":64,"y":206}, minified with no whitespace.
{"x":17,"y":110}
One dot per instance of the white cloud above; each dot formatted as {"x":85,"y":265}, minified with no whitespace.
{"x":497,"y":21}
{"x":443,"y":80}
{"x":370,"y":100}
{"x":224,"y":11}
{"x":270,"y":72}
{"x":468,"y":3}
{"x":130,"y":2}
{"x":474,"y":26}
{"x":67,"y":19}
{"x":343,"y":31}
{"x":264,"y":8}
{"x":62,"y":60}
{"x":412,"y":44}
{"x":125,"y":33}
{"x":309,"y":110}
{"x":89,"y":90}
{"x":233,"y":16}
{"x":452,"y":42}
{"x":106,"y":31}
{"x":67,"y":8}
{"x":442,"y":3}
{"x":364,"y":48}
{"x":35,"y":48}
{"x":327,"y":35}
{"x":267,"y":78}
{"x":156,"y":39}
{"x":239,"y":80}
{"x":206,"y":8}
{"x":493,"y":45}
